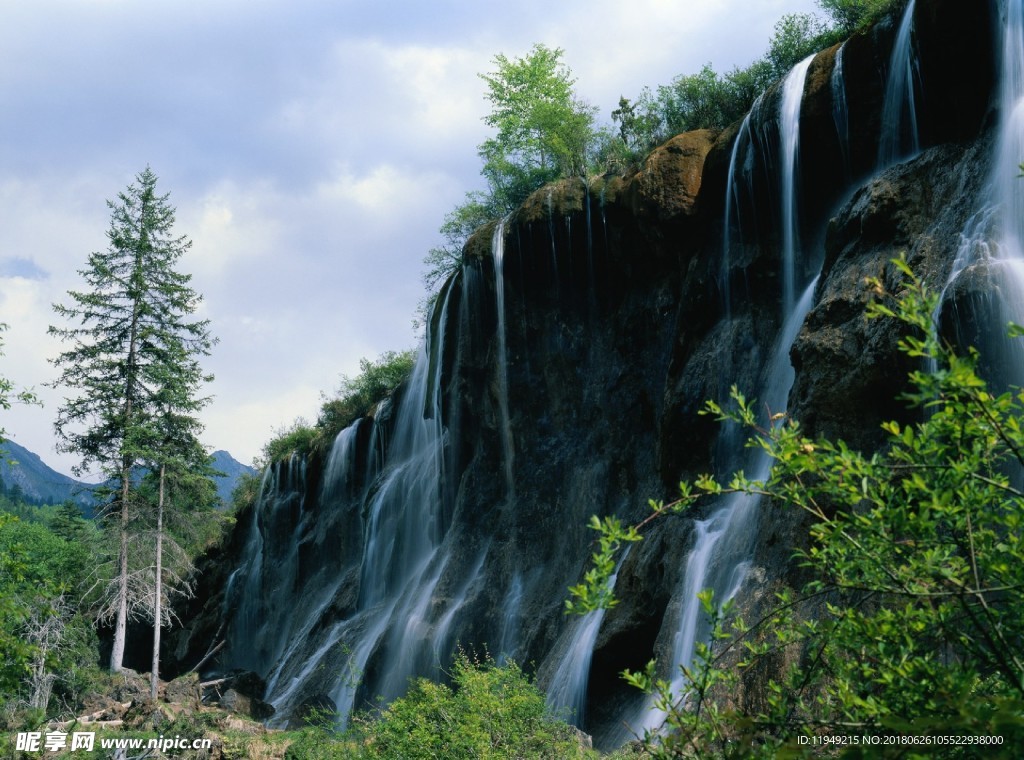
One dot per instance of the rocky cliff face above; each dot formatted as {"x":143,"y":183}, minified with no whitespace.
{"x":573,"y":389}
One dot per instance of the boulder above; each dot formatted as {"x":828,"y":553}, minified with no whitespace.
{"x":241,"y":704}
{"x":184,"y":690}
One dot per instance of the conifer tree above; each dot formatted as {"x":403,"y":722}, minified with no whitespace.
{"x":176,"y":459}
{"x":133,"y":333}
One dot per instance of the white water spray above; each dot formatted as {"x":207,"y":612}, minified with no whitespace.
{"x":507,"y":443}
{"x":899,"y":140}
{"x":789,"y":138}
{"x":992,"y":242}
{"x":568,"y":690}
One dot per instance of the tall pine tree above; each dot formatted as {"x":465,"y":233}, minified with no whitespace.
{"x":177,"y":462}
{"x":133,"y":330}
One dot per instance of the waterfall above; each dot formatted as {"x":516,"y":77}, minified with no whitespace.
{"x":723,"y":542}
{"x":349,"y":591}
{"x":789,"y":139}
{"x":899,"y":136}
{"x":740,"y":167}
{"x":441,"y":640}
{"x":404,"y":556}
{"x":293,"y":572}
{"x":739,"y":200}
{"x":507,"y":443}
{"x":841,"y":111}
{"x":549,"y":201}
{"x":510,"y":622}
{"x":262,"y":602}
{"x":567,"y":694}
{"x":1010,"y":150}
{"x":992,"y":243}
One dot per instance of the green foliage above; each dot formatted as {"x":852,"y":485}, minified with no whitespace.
{"x":40,"y":572}
{"x":595,"y":591}
{"x":490,"y":711}
{"x":444,"y":260}
{"x":698,"y":101}
{"x":708,"y":99}
{"x":132,"y":367}
{"x":316,"y":743}
{"x":14,"y":651}
{"x":912,"y":622}
{"x":851,"y":15}
{"x":298,"y":438}
{"x":192,"y":521}
{"x":356,"y":397}
{"x":47,"y":558}
{"x":76,"y":663}
{"x":245,"y":493}
{"x":543,"y":130}
{"x":131,"y":330}
{"x":797,"y":35}
{"x":637,"y":123}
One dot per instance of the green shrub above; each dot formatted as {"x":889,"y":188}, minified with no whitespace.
{"x":490,"y":711}
{"x":356,"y":396}
{"x":851,"y":15}
{"x":245,"y":492}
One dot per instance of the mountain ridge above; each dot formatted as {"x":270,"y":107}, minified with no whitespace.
{"x":38,"y":483}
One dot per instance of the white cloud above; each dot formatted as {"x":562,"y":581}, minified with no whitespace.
{"x":312,"y":149}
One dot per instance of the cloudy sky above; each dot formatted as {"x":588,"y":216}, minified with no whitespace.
{"x":311,"y":147}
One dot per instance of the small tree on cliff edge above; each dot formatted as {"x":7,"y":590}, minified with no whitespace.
{"x":133,"y":330}
{"x":544,"y":130}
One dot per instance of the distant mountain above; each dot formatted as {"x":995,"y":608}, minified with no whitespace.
{"x":233,"y":470}
{"x":38,"y":483}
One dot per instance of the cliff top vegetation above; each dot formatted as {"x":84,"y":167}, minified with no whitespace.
{"x":354,"y":398}
{"x":545,"y":132}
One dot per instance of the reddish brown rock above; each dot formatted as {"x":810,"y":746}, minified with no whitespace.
{"x":669,"y":184}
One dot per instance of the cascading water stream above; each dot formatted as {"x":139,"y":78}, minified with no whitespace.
{"x":899,"y":140}
{"x":510,"y":624}
{"x":789,"y":139}
{"x":731,"y":223}
{"x":723,"y":542}
{"x":992,"y":242}
{"x":507,"y":443}
{"x":397,"y":499}
{"x":338,"y":473}
{"x":404,"y":556}
{"x":441,"y":638}
{"x":255,"y":641}
{"x":841,"y":110}
{"x":568,"y":690}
